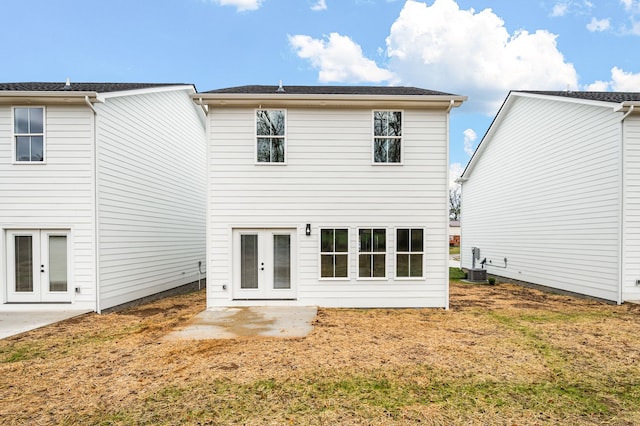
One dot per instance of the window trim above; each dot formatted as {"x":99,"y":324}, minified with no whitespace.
{"x":423,"y":253}
{"x":385,"y":253}
{"x":14,"y":147}
{"x":256,"y":137}
{"x":320,"y":253}
{"x":374,"y":137}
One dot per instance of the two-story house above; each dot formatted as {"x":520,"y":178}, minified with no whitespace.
{"x":552,"y":194}
{"x":327,"y":195}
{"x":102,"y":193}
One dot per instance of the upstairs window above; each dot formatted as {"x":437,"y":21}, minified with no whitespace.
{"x":334,"y":253}
{"x":270,"y":135}
{"x":409,"y":253}
{"x":387,"y":137}
{"x":28,"y":131}
{"x":372,"y":258}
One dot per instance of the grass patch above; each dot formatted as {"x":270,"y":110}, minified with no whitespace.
{"x":22,"y":352}
{"x":530,"y":337}
{"x":454,"y":250}
{"x":369,"y":398}
{"x":457,"y":274}
{"x":502,"y":355}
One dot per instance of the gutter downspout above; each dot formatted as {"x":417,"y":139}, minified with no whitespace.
{"x":631,"y":108}
{"x":447,"y":236}
{"x":622,"y":207}
{"x":204,"y":109}
{"x":451,"y":103}
{"x":90,"y":105}
{"x":95,"y":203}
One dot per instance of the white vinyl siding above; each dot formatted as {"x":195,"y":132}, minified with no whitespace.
{"x":330,"y":182}
{"x":631,"y":228}
{"x":545,"y":194}
{"x":57,"y":195}
{"x":151,"y":175}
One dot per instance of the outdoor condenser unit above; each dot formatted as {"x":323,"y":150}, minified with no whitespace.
{"x":475,"y":274}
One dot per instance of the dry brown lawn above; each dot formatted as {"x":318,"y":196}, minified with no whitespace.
{"x":502,"y":354}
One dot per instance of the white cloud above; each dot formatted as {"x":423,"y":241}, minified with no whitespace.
{"x":630,"y":5}
{"x":571,"y":7}
{"x":559,"y":9}
{"x":241,"y":5}
{"x":621,"y":81}
{"x":624,"y":81}
{"x":455,"y":171}
{"x":442,"y":47}
{"x":598,"y":86}
{"x":338,"y":59}
{"x":320,"y":5}
{"x":469,"y":138}
{"x":598,"y":25}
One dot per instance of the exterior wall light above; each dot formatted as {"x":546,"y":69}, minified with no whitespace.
{"x":308,"y":229}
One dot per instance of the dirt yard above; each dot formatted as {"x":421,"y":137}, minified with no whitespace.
{"x":502,"y":355}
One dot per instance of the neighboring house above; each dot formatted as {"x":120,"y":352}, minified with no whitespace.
{"x":552,"y":194}
{"x":328,"y":196}
{"x":102,"y":193}
{"x":454,"y":233}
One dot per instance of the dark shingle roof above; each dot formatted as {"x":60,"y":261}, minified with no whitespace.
{"x":614,"y":97}
{"x":79,"y":87}
{"x":329,"y":90}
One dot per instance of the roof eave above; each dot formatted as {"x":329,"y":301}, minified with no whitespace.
{"x":506,"y":104}
{"x":43,"y":97}
{"x":157,"y":89}
{"x":328,"y":100}
{"x":621,"y":107}
{"x":628,"y":106}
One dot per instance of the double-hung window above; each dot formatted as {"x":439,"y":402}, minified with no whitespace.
{"x":387,"y":137}
{"x":372,"y":249}
{"x":28,"y":131}
{"x":409,"y":253}
{"x":334,"y":253}
{"x":270,"y":136}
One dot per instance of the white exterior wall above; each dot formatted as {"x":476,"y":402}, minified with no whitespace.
{"x":329,"y":181}
{"x":151,"y":180}
{"x":55,"y":195}
{"x":545,"y":194}
{"x":631,"y":229}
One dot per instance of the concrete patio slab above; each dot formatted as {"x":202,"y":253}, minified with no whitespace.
{"x":262,"y":321}
{"x":12,"y":323}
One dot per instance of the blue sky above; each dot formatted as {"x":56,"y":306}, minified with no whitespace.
{"x":478,"y":48}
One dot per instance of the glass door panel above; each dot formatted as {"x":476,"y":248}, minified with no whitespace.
{"x":249,"y":261}
{"x":58,"y":263}
{"x":23,"y":263}
{"x":281,"y":261}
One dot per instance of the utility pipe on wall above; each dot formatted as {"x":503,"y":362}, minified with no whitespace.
{"x":622,"y":207}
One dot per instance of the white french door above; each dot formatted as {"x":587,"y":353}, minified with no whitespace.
{"x":264,"y":264}
{"x":38,"y":266}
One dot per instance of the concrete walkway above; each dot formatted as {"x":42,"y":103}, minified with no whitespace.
{"x":262,"y":321}
{"x":12,"y":323}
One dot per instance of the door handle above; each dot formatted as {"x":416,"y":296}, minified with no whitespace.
{"x":41,"y":268}
{"x":262,"y":266}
